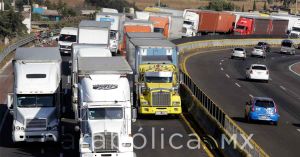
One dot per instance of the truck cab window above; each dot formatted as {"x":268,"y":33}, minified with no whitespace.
{"x":68,"y":38}
{"x":105,"y":113}
{"x":30,"y":100}
{"x":151,"y":79}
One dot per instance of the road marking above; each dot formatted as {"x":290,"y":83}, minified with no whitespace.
{"x":220,"y":63}
{"x":290,"y":68}
{"x":251,"y":95}
{"x":283,"y":88}
{"x":222,"y":69}
{"x":237,"y":84}
{"x":227,"y":76}
{"x":222,"y":60}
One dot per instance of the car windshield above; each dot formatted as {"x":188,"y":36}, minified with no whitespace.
{"x":40,"y":100}
{"x":188,"y":22}
{"x":286,"y":44}
{"x":240,"y":27}
{"x":256,"y":67}
{"x":151,"y":79}
{"x":238,"y":49}
{"x":67,"y":38}
{"x":264,"y":103}
{"x":105,"y":113}
{"x":258,"y":47}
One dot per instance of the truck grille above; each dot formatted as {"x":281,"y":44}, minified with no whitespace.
{"x":106,"y":142}
{"x":36,"y":123}
{"x":161,"y":99}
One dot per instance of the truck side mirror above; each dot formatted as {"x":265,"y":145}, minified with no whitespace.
{"x":134,"y":114}
{"x":10,"y":102}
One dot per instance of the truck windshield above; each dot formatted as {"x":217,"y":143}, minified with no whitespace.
{"x":286,"y":44}
{"x":152,"y":79}
{"x":39,"y":100}
{"x":240,"y":27}
{"x":67,"y":38}
{"x":188,"y":22}
{"x":159,"y":30}
{"x":296,"y":29}
{"x":105,"y":113}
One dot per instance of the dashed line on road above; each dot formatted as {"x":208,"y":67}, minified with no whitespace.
{"x":227,"y":76}
{"x":222,"y":69}
{"x":220,"y":63}
{"x":237,"y":85}
{"x":283,"y":88}
{"x":222,"y":60}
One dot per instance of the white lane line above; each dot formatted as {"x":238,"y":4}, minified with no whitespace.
{"x":227,"y":76}
{"x":222,"y":60}
{"x":283,"y":88}
{"x":222,"y":69}
{"x":237,"y":85}
{"x":251,"y":95}
{"x":220,"y":63}
{"x":290,"y":68}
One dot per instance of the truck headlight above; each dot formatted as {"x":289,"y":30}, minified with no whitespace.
{"x":85,"y":145}
{"x":22,"y":128}
{"x":126,"y":144}
{"x":176,"y":103}
{"x":144,"y":103}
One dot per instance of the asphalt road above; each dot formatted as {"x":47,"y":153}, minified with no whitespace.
{"x":223,"y":79}
{"x":155,"y":133}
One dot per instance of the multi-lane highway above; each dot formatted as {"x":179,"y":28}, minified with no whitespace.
{"x":223,"y":79}
{"x":153,"y":133}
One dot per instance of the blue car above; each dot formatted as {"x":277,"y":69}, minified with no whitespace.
{"x":262,"y":109}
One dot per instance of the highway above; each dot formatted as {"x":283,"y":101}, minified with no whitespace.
{"x":153,"y":129}
{"x":223,"y":79}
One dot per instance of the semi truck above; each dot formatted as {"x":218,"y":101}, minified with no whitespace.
{"x":248,"y":25}
{"x":104,"y":106}
{"x":67,"y":36}
{"x":161,"y":23}
{"x":293,"y":25}
{"x":134,"y":26}
{"x":93,"y":32}
{"x":35,"y":102}
{"x":116,"y":21}
{"x":155,"y":68}
{"x":201,"y":22}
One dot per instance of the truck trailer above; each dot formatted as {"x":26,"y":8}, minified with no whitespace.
{"x":104,"y":106}
{"x":202,"y":22}
{"x":35,"y":102}
{"x":156,"y":78}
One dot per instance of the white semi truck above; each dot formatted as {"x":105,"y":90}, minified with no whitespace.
{"x":35,"y":101}
{"x":116,"y":21}
{"x":104,"y":106}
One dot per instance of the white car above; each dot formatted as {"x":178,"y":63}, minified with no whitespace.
{"x":258,"y":51}
{"x":238,"y":53}
{"x":258,"y":72}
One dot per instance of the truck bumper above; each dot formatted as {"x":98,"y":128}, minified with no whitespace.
{"x":160,"y":110}
{"x":125,"y":154}
{"x":35,"y":136}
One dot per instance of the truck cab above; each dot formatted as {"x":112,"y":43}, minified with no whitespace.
{"x":104,"y":107}
{"x":295,"y":31}
{"x":244,"y":26}
{"x":35,"y":101}
{"x":159,"y":89}
{"x":190,"y":24}
{"x":68,"y":36}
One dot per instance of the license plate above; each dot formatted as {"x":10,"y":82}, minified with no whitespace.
{"x":263,"y":117}
{"x":161,"y":113}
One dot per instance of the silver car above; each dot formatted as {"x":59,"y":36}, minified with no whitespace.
{"x":288,"y":47}
{"x":238,"y":53}
{"x":258,"y":51}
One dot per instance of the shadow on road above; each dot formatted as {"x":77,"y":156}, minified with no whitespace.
{"x":296,"y":125}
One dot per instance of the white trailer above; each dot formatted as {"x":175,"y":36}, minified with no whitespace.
{"x":35,"y":101}
{"x":116,"y":21}
{"x":104,"y":107}
{"x":93,"y":32}
{"x":67,"y":36}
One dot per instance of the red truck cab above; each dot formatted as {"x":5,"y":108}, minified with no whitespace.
{"x":244,"y":26}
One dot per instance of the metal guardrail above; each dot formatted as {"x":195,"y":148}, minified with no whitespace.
{"x":229,"y":126}
{"x":23,"y":42}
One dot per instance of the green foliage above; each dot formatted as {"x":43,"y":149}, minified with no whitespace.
{"x":11,"y":24}
{"x":254,"y":6}
{"x":270,"y":1}
{"x":220,"y":5}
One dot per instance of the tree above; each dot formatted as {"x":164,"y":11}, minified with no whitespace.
{"x":254,"y":6}
{"x":243,"y":8}
{"x":220,"y":5}
{"x":270,"y":1}
{"x":265,"y":6}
